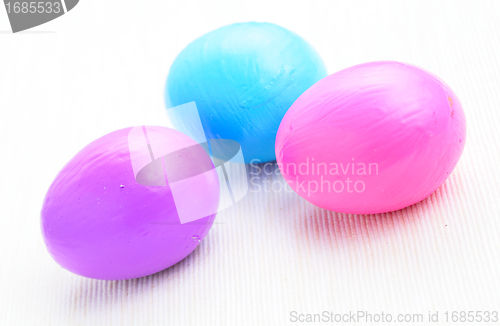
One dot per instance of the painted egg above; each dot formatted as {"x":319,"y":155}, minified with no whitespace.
{"x":130,"y":204}
{"x":372,"y":138}
{"x":243,"y":78}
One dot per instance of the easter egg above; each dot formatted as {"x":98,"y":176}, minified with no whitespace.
{"x":243,"y":78}
{"x":114,"y":211}
{"x":372,"y":138}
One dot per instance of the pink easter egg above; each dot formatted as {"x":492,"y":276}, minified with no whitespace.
{"x":372,"y":138}
{"x":113,"y":212}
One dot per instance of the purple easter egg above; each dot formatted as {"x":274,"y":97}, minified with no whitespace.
{"x":114,"y":211}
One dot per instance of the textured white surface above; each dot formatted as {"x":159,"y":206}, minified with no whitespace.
{"x":104,"y":68}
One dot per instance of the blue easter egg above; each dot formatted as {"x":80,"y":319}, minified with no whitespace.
{"x":243,"y":78}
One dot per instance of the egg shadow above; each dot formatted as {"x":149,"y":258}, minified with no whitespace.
{"x":319,"y":230}
{"x":420,"y":222}
{"x":92,"y":299}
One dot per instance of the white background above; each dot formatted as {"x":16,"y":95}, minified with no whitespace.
{"x":102,"y":67}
